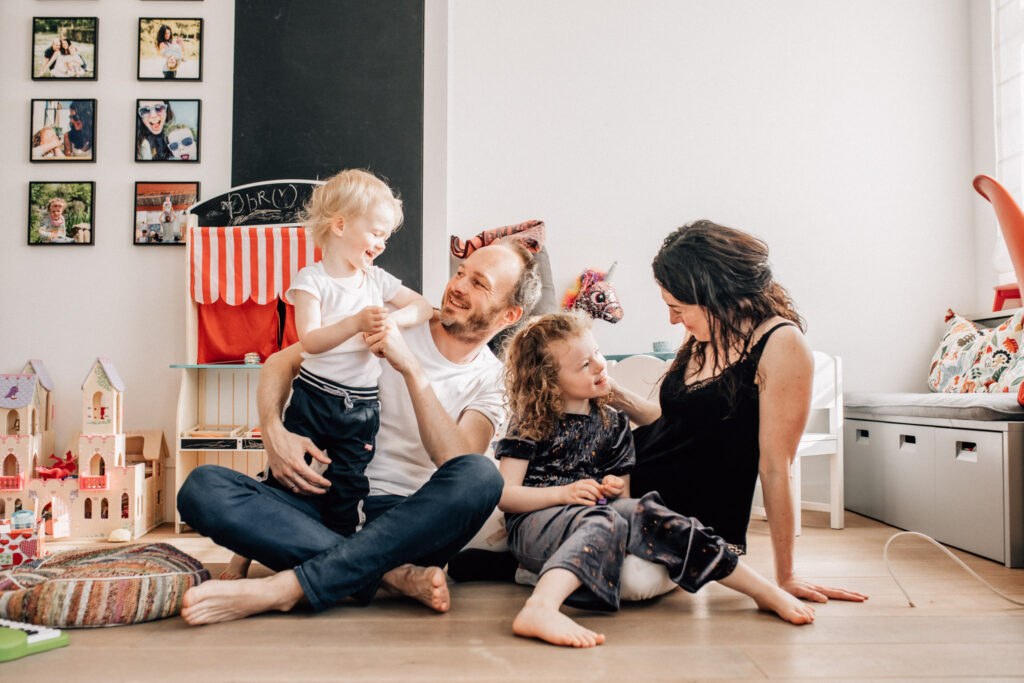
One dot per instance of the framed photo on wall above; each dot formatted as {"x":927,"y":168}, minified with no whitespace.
{"x":170,"y":49}
{"x":159,"y":214}
{"x":167,"y":130}
{"x":60,"y":213}
{"x":62,"y":130}
{"x":64,"y":48}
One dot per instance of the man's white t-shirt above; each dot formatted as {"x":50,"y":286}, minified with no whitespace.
{"x":350,"y":363}
{"x":401,"y":464}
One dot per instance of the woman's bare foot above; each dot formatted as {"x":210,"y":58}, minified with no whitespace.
{"x":216,"y":601}
{"x":426,"y":584}
{"x":238,"y":568}
{"x":767,"y":595}
{"x":787,"y":606}
{"x":543,"y":621}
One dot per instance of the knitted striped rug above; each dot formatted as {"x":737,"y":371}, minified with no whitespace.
{"x":105,"y":587}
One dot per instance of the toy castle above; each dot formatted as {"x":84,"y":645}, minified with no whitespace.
{"x":120,"y":480}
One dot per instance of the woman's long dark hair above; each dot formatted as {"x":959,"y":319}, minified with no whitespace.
{"x":164,"y":28}
{"x":727,"y":272}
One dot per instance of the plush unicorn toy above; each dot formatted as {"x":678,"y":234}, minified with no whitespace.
{"x":593,"y":293}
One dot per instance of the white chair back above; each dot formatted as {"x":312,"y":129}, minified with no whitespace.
{"x":826,"y":415}
{"x":640,"y":374}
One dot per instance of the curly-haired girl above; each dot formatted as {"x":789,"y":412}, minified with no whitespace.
{"x":566,"y":461}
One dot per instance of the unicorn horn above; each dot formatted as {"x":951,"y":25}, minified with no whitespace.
{"x":608,"y":275}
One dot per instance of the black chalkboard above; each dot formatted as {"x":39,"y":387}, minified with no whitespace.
{"x":324,"y":85}
{"x":271,"y":203}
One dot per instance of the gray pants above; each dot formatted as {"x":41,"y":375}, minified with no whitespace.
{"x":591,"y":541}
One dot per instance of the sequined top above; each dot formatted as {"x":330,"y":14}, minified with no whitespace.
{"x":582,"y":447}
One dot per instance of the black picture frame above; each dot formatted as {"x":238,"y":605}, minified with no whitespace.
{"x":77,"y":57}
{"x":151,"y":225}
{"x":171,"y":136}
{"x":77,"y":216}
{"x":62,"y":130}
{"x":177,"y":58}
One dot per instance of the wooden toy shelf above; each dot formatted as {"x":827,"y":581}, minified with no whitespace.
{"x":217,"y":421}
{"x":242,"y":248}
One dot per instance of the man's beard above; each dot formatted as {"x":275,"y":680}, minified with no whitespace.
{"x":475,"y":329}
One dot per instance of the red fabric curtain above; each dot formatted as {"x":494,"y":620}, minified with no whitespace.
{"x":227,"y":333}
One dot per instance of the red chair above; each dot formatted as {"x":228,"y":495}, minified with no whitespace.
{"x":1011,"y":223}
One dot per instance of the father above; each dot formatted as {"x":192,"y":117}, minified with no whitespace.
{"x":441,"y":399}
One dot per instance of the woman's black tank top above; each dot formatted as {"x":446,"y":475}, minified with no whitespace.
{"x":702,"y":454}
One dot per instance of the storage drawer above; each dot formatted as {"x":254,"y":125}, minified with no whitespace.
{"x":864,"y":468}
{"x":909,"y":452}
{"x":969,"y":482}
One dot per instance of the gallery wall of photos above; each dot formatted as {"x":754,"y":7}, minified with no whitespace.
{"x":63,"y":128}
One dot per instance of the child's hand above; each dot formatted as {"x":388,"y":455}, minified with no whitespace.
{"x":582,"y":492}
{"x":612,"y":486}
{"x":372,"y":319}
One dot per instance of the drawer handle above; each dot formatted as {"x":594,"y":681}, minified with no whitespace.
{"x":907,"y":440}
{"x":863,"y":434}
{"x":967,"y":451}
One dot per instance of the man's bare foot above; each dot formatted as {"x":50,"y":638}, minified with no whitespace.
{"x":789,"y":607}
{"x":426,"y":584}
{"x":547,"y":623}
{"x":216,"y":601}
{"x":238,"y":568}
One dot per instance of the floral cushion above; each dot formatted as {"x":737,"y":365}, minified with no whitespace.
{"x":972,"y":359}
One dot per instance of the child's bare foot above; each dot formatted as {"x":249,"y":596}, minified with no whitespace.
{"x":426,"y":584}
{"x":238,"y":568}
{"x":789,"y":607}
{"x":542,"y":621}
{"x":216,"y":601}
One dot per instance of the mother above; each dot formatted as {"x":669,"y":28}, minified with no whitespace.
{"x":736,"y":399}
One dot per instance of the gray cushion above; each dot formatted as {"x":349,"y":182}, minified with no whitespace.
{"x":989,"y":407}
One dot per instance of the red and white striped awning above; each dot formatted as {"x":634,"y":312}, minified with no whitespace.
{"x":236,"y":264}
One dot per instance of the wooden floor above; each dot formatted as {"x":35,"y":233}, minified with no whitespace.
{"x":959,"y":630}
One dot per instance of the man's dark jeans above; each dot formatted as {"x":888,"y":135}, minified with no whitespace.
{"x":285,"y":531}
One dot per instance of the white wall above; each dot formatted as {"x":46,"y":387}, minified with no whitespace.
{"x":67,"y":305}
{"x":838,"y":131}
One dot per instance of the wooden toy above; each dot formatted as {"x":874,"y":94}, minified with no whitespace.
{"x":242,"y":250}
{"x":18,"y":639}
{"x":120,"y":480}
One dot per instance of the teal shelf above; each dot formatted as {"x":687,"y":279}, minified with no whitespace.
{"x":622,"y":356}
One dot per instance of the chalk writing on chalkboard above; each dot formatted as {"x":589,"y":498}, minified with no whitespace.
{"x":267,"y":203}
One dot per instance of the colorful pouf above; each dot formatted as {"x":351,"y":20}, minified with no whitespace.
{"x":104,"y":587}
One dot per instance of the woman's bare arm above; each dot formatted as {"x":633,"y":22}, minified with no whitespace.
{"x":786,"y":372}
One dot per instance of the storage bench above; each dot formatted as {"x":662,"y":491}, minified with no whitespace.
{"x":947,"y":465}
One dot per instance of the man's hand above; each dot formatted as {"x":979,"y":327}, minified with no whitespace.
{"x":612,"y":487}
{"x":372,"y":319}
{"x":286,"y":457}
{"x":582,"y":492}
{"x":390,"y":345}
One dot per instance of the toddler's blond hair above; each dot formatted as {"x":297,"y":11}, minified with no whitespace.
{"x":350,"y":194}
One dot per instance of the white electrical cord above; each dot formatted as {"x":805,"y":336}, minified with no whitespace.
{"x":885,"y":556}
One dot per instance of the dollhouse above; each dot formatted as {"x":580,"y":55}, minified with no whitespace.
{"x":27,"y":414}
{"x":120,"y":476}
